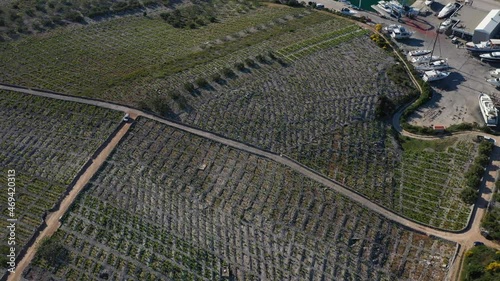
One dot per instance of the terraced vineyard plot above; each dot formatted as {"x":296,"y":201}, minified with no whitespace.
{"x":421,"y":183}
{"x":429,"y":184}
{"x":362,"y":155}
{"x":324,"y":41}
{"x":294,"y":106}
{"x":46,"y":142}
{"x":169,"y":205}
{"x":106,"y":58}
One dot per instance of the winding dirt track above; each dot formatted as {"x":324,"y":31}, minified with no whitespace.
{"x":464,"y":237}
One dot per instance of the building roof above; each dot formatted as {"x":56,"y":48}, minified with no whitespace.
{"x":469,"y":18}
{"x":490,"y":22}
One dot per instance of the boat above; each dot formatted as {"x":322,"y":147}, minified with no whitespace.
{"x":495,"y":56}
{"x":385,"y":6}
{"x":448,"y":10}
{"x":433,"y":65}
{"x":416,"y":53}
{"x":494,"y":81}
{"x":390,"y":28}
{"x":488,"y":110}
{"x":424,"y":59}
{"x":434,"y":75}
{"x":491,"y":45}
{"x":401,"y":33}
{"x":428,"y":2}
{"x":495,"y":72}
{"x":445,"y":25}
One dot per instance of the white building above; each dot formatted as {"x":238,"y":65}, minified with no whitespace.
{"x":488,"y":28}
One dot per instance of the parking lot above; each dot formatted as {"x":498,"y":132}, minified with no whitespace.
{"x":456,"y":97}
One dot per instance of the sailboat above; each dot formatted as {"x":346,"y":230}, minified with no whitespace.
{"x":424,"y":59}
{"x":434,"y":75}
{"x":430,"y":63}
{"x":416,"y":53}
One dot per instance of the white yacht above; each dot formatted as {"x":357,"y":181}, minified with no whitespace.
{"x":424,"y":59}
{"x":495,"y":56}
{"x":434,"y":75}
{"x":495,"y":72}
{"x":433,"y":65}
{"x":384,"y":5}
{"x":445,"y":25}
{"x":488,"y":110}
{"x":448,"y":10}
{"x":401,"y":33}
{"x":491,"y":45}
{"x":390,"y":28}
{"x":416,"y":53}
{"x":494,"y":81}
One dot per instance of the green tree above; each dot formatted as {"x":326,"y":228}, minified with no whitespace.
{"x":52,"y":251}
{"x":468,"y":195}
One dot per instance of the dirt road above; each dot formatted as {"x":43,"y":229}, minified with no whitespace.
{"x":52,"y":219}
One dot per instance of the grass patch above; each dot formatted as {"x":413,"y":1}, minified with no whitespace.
{"x":410,"y":144}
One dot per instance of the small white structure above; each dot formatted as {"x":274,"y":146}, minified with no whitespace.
{"x":488,"y":27}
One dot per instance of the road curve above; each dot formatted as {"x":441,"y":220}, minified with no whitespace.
{"x":294,"y":165}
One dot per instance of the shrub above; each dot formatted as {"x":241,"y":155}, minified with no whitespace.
{"x":384,"y":107}
{"x":75,"y":16}
{"x":240,"y":66}
{"x":189,"y":86}
{"x":160,"y":106}
{"x":469,"y":195}
{"x":472,"y":181}
{"x":482,"y":160}
{"x":486,"y":147}
{"x":249,"y":62}
{"x":201,"y":82}
{"x":216,"y":77}
{"x":227,"y":72}
{"x":52,"y":251}
{"x":261,"y":58}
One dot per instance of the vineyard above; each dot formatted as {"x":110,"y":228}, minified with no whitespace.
{"x":169,"y":205}
{"x":115,"y":58}
{"x":46,"y":142}
{"x":420,"y":183}
{"x":429,"y":183}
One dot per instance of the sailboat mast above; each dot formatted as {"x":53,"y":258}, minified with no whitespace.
{"x":435,"y":40}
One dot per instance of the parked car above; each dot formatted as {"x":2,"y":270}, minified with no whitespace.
{"x":478,"y":243}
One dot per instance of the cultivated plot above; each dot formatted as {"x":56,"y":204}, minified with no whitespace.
{"x":46,"y":142}
{"x":104,"y":60}
{"x":170,"y":205}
